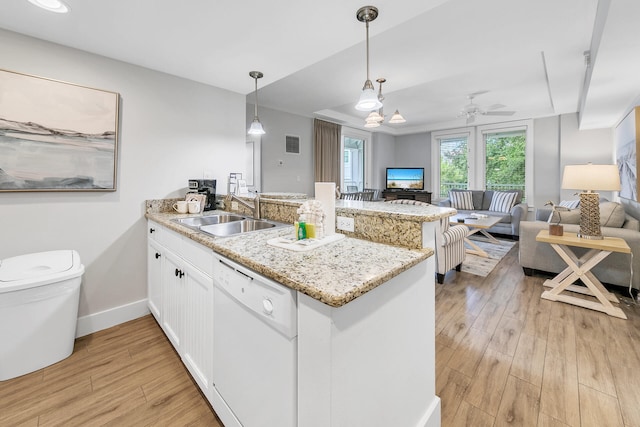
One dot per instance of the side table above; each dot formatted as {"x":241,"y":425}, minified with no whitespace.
{"x":580,"y":268}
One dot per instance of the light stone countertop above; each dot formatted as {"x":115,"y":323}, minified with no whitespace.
{"x":418,"y":213}
{"x":334,"y":274}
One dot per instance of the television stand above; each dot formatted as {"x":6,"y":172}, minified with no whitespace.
{"x":421,"y":196}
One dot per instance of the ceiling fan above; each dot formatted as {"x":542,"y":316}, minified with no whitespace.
{"x":471,"y":110}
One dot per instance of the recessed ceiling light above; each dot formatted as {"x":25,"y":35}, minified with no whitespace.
{"x":57,"y":6}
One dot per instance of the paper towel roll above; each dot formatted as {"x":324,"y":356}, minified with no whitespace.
{"x":326,"y":194}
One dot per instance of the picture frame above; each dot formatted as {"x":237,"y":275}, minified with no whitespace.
{"x":627,"y":141}
{"x":56,"y":136}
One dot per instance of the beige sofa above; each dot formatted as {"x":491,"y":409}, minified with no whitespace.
{"x":615,"y":269}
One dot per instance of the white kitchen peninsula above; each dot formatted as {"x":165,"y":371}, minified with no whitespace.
{"x":365,"y":325}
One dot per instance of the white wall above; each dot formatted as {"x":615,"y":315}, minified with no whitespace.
{"x":295,"y":173}
{"x":171,"y":130}
{"x":546,"y":161}
{"x":580,"y":147}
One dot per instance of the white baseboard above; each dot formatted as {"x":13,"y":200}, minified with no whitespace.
{"x":114,"y":316}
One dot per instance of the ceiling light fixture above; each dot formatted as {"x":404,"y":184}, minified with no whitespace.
{"x":368,"y":100}
{"x":56,"y":6}
{"x":397,"y":118}
{"x":256,"y":126}
{"x":375,"y":118}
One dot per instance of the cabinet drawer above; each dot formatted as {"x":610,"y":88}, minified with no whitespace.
{"x":194,"y":253}
{"x":154,"y":231}
{"x":200,"y":256}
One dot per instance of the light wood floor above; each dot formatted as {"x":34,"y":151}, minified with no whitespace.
{"x":128,"y":375}
{"x":503,"y":357}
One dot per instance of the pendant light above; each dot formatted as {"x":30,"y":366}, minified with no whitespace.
{"x":397,"y":118}
{"x":256,"y":126}
{"x":368,"y":100}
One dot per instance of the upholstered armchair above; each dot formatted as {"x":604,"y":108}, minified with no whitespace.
{"x":450,"y":251}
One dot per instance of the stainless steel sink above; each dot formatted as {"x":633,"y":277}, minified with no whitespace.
{"x":239,"y":227}
{"x":198,"y":221}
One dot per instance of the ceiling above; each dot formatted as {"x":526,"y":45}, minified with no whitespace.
{"x":527,"y":55}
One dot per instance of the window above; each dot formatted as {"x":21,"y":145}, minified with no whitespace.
{"x":486,"y":157}
{"x":505,"y":160}
{"x":353,"y":163}
{"x":453,"y":151}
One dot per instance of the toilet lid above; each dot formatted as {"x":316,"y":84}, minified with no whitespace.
{"x":34,"y":267}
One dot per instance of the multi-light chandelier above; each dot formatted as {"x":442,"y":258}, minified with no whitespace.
{"x":369,"y":100}
{"x":375,"y":118}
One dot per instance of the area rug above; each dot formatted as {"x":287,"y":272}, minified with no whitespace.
{"x":480,"y":266}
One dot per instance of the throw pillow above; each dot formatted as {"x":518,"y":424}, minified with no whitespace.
{"x":461,"y":200}
{"x":569,"y":204}
{"x":569,"y":217}
{"x":502,"y":201}
{"x":612,"y":214}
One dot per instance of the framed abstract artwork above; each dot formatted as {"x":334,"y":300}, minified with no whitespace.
{"x":627,"y":140}
{"x":56,"y":136}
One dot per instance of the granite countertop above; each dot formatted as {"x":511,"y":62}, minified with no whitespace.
{"x":334,"y":274}
{"x":419,"y":213}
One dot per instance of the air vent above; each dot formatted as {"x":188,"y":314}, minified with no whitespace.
{"x":292,"y":144}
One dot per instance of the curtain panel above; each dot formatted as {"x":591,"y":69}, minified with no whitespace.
{"x":326,"y":137}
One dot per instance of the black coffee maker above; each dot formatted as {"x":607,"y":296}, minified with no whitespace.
{"x":207,"y":187}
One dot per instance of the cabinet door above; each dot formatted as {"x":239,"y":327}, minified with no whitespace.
{"x":173,"y":298}
{"x":197,"y":338}
{"x":154,"y":278}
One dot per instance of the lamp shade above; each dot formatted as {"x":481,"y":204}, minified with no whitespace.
{"x":591,"y":177}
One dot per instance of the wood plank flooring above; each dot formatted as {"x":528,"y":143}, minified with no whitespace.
{"x":128,"y":375}
{"x":504,"y":357}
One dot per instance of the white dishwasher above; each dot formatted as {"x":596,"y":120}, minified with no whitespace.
{"x":255,"y":347}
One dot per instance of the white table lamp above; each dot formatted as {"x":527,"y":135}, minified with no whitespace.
{"x":590,"y":178}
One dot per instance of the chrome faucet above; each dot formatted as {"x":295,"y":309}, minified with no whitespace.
{"x":255,"y":209}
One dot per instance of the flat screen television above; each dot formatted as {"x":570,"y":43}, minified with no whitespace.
{"x":405,"y":178}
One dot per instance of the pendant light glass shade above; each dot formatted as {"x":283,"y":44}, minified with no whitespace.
{"x":397,"y":118}
{"x":374,"y":116}
{"x":368,"y":99}
{"x":256,"y":127}
{"x":56,"y":6}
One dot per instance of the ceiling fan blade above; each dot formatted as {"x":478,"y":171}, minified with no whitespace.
{"x":495,"y":106}
{"x":478,"y":93}
{"x":499,"y":113}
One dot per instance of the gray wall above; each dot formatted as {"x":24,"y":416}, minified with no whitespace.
{"x":557,"y":142}
{"x":383,"y":154}
{"x":415,"y":151}
{"x":171,"y":130}
{"x":281,"y":171}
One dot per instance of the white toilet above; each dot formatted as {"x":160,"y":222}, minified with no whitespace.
{"x":39,"y":296}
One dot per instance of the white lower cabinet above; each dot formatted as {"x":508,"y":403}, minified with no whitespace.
{"x":154,"y":275}
{"x":180,"y":287}
{"x":197,"y":335}
{"x":173,"y":298}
